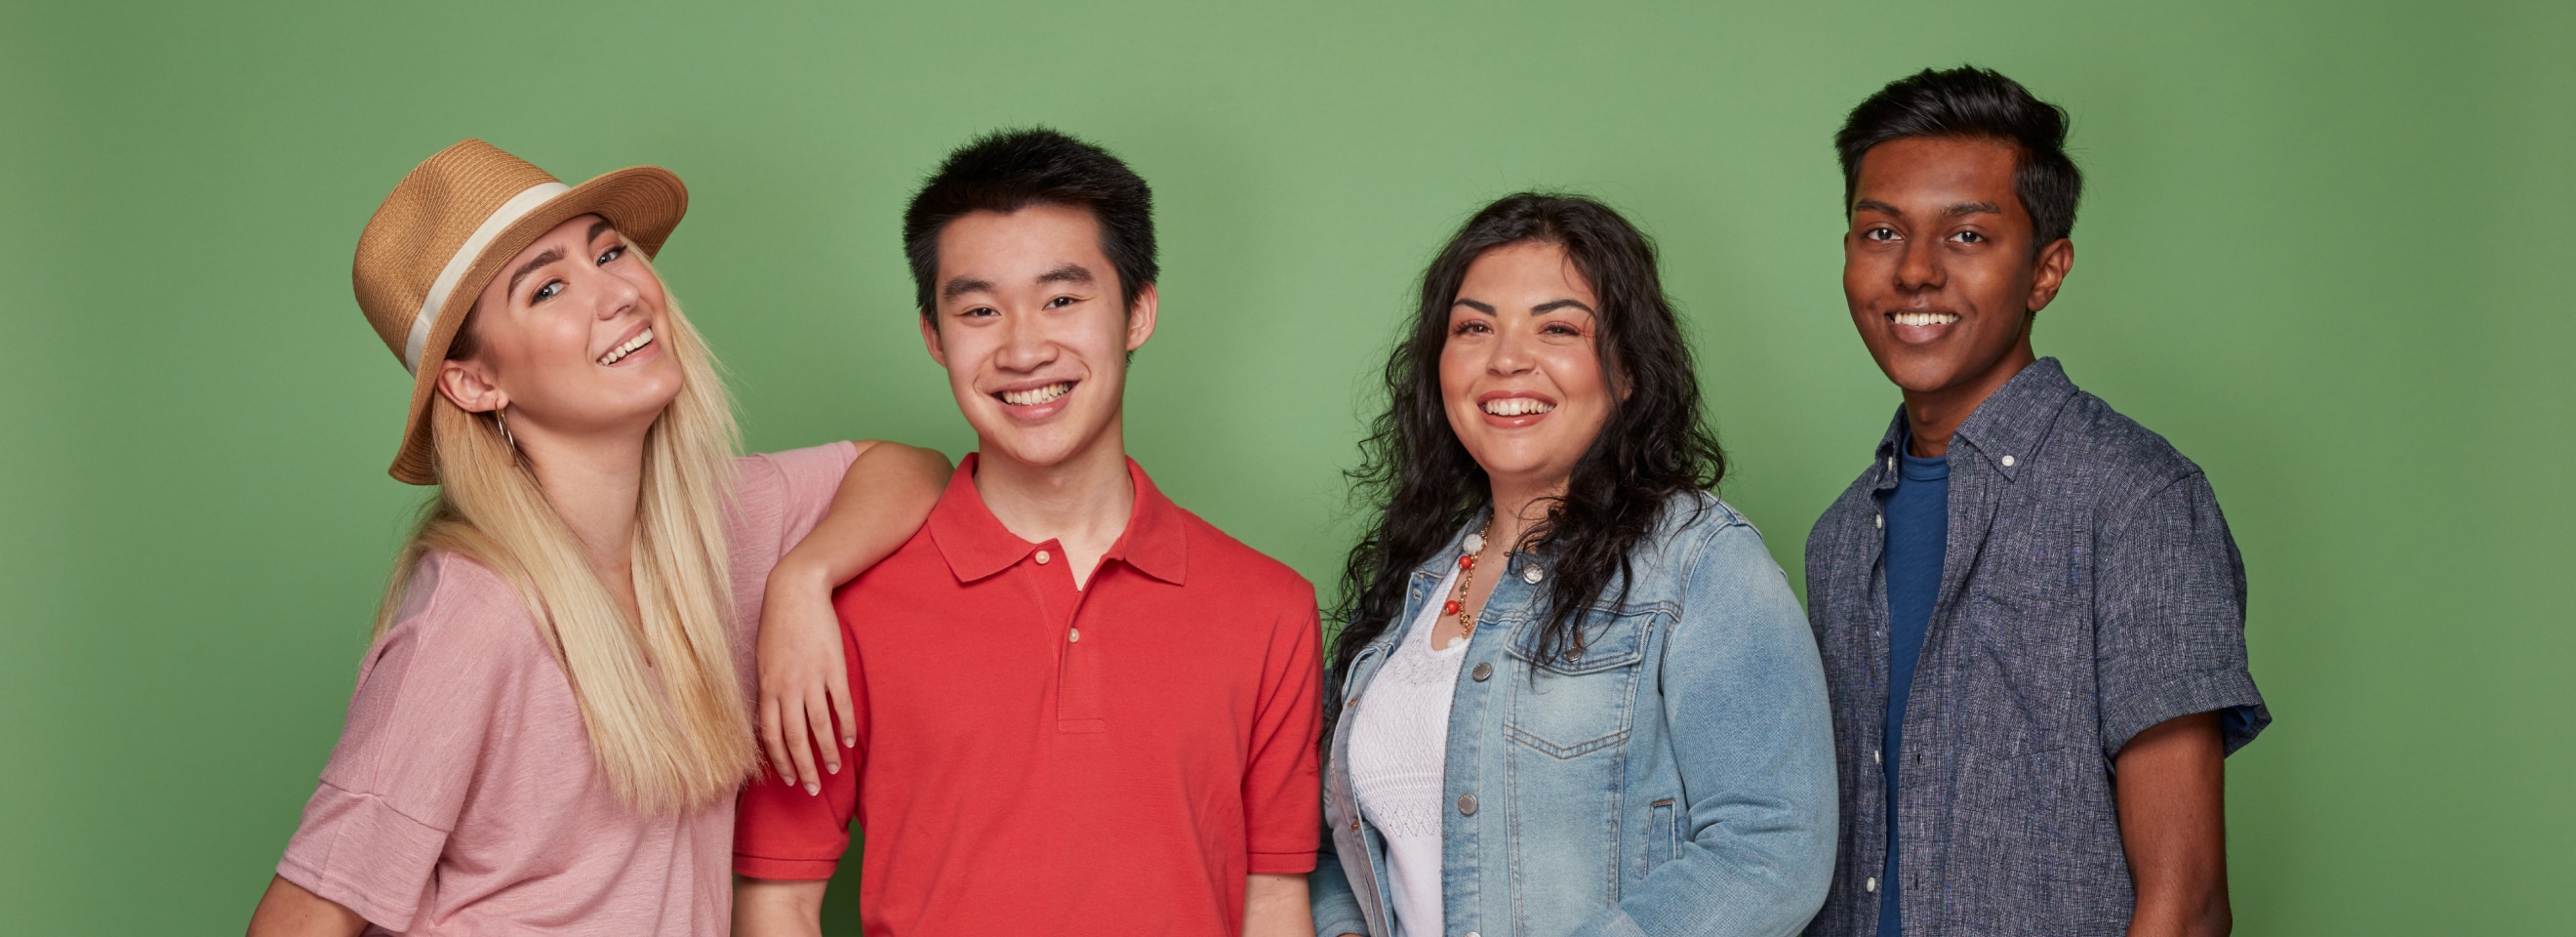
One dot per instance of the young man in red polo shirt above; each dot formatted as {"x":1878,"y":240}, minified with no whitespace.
{"x":1078,"y":708}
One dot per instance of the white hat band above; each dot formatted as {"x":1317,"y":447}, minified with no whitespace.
{"x":510,"y":212}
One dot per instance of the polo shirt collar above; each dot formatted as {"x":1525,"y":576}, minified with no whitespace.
{"x":2010,"y":423}
{"x":976,"y":545}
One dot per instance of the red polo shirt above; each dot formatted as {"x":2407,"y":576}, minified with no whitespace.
{"x":1036,"y":758}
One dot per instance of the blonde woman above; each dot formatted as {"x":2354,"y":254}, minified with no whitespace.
{"x":549,"y":730}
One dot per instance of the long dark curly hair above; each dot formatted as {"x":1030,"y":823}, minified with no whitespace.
{"x":1424,"y":487}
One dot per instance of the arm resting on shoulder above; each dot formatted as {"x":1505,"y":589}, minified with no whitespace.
{"x":767,"y":908}
{"x":2171,"y":784}
{"x":287,"y":910}
{"x":804,"y":686}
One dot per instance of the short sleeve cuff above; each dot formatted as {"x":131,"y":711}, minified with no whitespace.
{"x":2208,"y":693}
{"x":356,"y":850}
{"x":1283,"y":863}
{"x":784,"y":870}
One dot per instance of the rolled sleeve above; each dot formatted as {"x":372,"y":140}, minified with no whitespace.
{"x":2171,"y":619}
{"x":780,"y":832}
{"x":1282,"y":794}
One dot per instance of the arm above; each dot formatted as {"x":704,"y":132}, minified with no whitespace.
{"x":287,"y":910}
{"x":1274,"y":905}
{"x":1743,"y":693}
{"x":2171,"y":781}
{"x":764,"y":908}
{"x":804,"y":690}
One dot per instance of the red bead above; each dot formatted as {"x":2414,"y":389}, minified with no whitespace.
{"x":1449,"y":608}
{"x":1467,"y":562}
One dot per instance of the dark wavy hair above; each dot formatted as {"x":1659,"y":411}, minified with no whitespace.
{"x":1424,"y":486}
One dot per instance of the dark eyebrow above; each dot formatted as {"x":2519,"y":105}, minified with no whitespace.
{"x":962,"y":286}
{"x":1548,"y":307}
{"x":1069,"y":273}
{"x":1971,"y":208}
{"x":595,"y":228}
{"x":549,"y":255}
{"x":1871,"y":204}
{"x":1479,"y":307}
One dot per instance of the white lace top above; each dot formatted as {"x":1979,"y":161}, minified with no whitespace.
{"x":1399,"y":755}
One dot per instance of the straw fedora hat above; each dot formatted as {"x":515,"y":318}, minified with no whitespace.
{"x":447,"y":229}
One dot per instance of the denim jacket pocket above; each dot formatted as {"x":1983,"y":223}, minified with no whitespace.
{"x":1580,"y":699}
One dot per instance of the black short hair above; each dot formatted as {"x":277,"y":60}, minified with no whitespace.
{"x":1007,"y":170}
{"x":1968,"y":101}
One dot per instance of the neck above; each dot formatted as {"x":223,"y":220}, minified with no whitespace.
{"x":1520,"y":504}
{"x":1082,"y":502}
{"x":594,"y":483}
{"x":1933,"y":416}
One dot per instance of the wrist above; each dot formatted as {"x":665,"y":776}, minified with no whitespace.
{"x":798,"y":575}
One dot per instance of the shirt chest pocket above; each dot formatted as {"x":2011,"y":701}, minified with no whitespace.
{"x":1582,"y":698}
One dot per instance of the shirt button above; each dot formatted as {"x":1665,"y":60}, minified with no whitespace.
{"x":1870,"y":886}
{"x":1874,"y":757}
{"x":1531,"y":575}
{"x":1880,"y":519}
{"x":1481,"y":672}
{"x":2007,"y":461}
{"x":1355,"y":824}
{"x":1891,"y":463}
{"x":1075,"y":636}
{"x":1043,"y":557}
{"x":1467,"y":805}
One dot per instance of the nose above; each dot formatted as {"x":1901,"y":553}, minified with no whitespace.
{"x":1921,"y":269}
{"x":1026,"y":346}
{"x":1511,"y":353}
{"x":617,"y":295}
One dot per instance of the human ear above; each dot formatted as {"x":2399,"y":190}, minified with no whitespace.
{"x":930,"y":339}
{"x":469,"y":385}
{"x":1140,"y":318}
{"x":2054,"y":261}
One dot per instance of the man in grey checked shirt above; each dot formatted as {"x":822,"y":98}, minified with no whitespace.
{"x":2030,"y":611}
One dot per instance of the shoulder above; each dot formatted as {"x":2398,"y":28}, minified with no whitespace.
{"x":765,"y":477}
{"x":1241,"y":568}
{"x":1696,"y":528}
{"x":2112,"y":456}
{"x":457,"y":607}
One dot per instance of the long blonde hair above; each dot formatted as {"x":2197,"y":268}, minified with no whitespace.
{"x":669,"y":726}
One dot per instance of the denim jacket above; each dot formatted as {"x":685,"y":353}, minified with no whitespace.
{"x":1675,"y":775}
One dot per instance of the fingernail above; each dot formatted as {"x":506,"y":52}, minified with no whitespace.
{"x":835,"y":769}
{"x":812,"y":789}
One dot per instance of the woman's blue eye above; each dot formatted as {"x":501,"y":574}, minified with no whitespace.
{"x":612,"y":254}
{"x":547,"y":291}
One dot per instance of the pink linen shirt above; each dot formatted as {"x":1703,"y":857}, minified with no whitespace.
{"x":463,"y":798}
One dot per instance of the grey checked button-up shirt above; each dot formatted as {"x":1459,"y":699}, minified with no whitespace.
{"x":2090,"y":591}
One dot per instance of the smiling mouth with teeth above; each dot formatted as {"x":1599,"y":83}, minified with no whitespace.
{"x":632,"y":345}
{"x":1923,"y":318}
{"x":1517,"y":406}
{"x":1036,"y":395}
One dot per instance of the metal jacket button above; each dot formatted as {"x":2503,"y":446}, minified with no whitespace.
{"x":1531,"y":575}
{"x":1467,"y":804}
{"x":1481,"y":672}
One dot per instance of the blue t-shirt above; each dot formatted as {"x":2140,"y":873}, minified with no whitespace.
{"x":1918,"y":537}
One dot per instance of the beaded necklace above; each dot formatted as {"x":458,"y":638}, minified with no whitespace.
{"x":1466,"y":579}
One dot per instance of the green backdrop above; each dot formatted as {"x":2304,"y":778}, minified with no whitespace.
{"x":2323,"y":251}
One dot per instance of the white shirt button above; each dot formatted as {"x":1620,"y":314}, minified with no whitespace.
{"x":1531,"y":575}
{"x":1875,"y":758}
{"x":2007,"y":461}
{"x":1870,"y":886}
{"x":1891,"y":463}
{"x":1880,"y":519}
{"x":1074,"y":637}
{"x":1043,"y":557}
